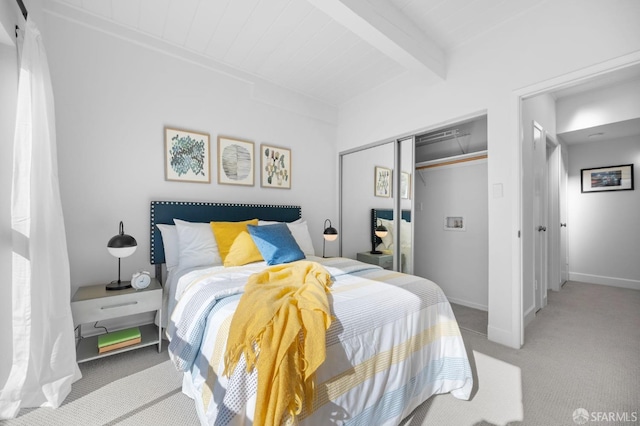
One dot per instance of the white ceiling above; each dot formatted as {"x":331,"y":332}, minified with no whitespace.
{"x":331,"y":50}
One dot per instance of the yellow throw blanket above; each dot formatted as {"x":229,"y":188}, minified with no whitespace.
{"x":280,"y":326}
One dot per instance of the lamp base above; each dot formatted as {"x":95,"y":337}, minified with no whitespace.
{"x":119,"y":285}
{"x":375,"y":252}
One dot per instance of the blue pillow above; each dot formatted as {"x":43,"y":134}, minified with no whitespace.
{"x":275,"y":243}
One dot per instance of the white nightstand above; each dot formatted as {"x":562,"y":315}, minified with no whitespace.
{"x":96,"y":303}
{"x":383,"y":260}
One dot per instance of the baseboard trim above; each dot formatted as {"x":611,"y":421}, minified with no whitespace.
{"x":468,"y":304}
{"x":609,"y":281}
{"x":529,"y":315}
{"x":504,"y":337}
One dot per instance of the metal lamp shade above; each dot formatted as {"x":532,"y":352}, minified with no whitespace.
{"x":330,"y":234}
{"x":381,"y":231}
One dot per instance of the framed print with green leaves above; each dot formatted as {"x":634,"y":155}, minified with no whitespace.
{"x":187,"y":157}
{"x":275,"y":167}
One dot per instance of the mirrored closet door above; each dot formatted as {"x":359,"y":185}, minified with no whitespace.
{"x":376,"y":185}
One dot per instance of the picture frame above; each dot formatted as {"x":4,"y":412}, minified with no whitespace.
{"x":454,"y":223}
{"x":405,"y":185}
{"x":610,"y":178}
{"x":236,"y":161}
{"x":382,"y":182}
{"x":187,"y":156}
{"x":275,"y":167}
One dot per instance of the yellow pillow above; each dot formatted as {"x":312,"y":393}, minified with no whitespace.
{"x":235,"y":243}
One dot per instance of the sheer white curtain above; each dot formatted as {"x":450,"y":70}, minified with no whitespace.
{"x":44,"y":358}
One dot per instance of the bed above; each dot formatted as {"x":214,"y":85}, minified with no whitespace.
{"x":392,"y":344}
{"x":386,"y":245}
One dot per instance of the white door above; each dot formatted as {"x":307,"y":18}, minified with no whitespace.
{"x":539,"y":214}
{"x":553,"y":214}
{"x":564,"y":251}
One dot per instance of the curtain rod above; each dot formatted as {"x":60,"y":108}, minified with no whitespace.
{"x":23,"y":9}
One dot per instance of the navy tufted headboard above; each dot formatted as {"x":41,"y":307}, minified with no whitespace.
{"x":191,"y":211}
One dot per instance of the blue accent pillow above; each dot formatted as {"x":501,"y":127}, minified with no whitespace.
{"x":275,"y":243}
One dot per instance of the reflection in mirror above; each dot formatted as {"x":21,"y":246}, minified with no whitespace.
{"x":360,"y":193}
{"x":387,"y":242}
{"x":370,"y":181}
{"x":406,"y":149}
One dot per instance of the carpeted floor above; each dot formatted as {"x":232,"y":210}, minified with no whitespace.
{"x":471,"y":319}
{"x":581,"y":352}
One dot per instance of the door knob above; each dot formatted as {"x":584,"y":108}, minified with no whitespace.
{"x":563,"y":225}
{"x":542,"y":228}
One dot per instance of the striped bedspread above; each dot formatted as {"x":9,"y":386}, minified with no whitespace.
{"x":394,"y":343}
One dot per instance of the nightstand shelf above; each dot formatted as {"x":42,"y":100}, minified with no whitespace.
{"x":88,"y":346}
{"x":383,"y":260}
{"x":95,"y":303}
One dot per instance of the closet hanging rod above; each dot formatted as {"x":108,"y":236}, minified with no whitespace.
{"x":446,"y":161}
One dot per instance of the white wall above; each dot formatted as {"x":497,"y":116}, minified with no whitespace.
{"x":555,"y":39}
{"x":456,"y":260}
{"x":113,"y":99}
{"x":603,"y":227}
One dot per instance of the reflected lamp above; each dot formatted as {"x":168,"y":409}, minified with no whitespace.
{"x":380,"y":231}
{"x":122,"y":245}
{"x":330,"y":234}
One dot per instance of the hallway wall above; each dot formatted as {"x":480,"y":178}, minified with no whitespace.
{"x":603,"y":227}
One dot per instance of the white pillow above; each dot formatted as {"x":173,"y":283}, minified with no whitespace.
{"x":405,"y":233}
{"x":196,"y":244}
{"x":170,"y":243}
{"x":300,"y":233}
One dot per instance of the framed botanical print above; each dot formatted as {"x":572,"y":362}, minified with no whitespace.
{"x":235,"y":161}
{"x":382,"y":182}
{"x":187,"y":157}
{"x":275,"y":167}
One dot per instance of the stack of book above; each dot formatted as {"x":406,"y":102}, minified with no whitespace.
{"x":118,"y":339}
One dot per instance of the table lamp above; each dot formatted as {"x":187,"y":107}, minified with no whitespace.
{"x":122,"y":245}
{"x":330,"y":234}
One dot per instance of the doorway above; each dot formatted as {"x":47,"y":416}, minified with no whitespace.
{"x":546,"y":95}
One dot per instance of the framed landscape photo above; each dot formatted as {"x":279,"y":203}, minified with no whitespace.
{"x":382,"y":182}
{"x":275,"y":167}
{"x":235,"y":161}
{"x":611,"y":178}
{"x":187,"y":157}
